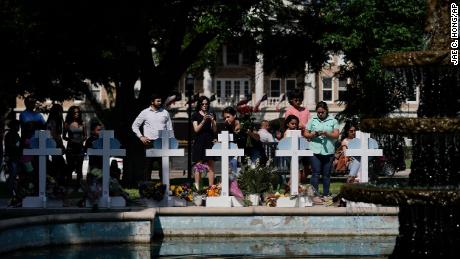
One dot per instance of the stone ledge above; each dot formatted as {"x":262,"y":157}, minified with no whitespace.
{"x":143,"y":215}
{"x":309,"y":211}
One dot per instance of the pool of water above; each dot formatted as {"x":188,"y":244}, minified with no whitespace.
{"x":224,"y":247}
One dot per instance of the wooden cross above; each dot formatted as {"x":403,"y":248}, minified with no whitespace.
{"x":294,"y":151}
{"x":107,"y":146}
{"x":46,"y":146}
{"x":367,"y":147}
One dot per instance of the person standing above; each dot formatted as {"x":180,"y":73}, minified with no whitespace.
{"x":12,"y":156}
{"x":323,"y":130}
{"x":30,"y":121}
{"x":55,"y":124}
{"x":205,"y":128}
{"x":295,"y":99}
{"x":95,"y":128}
{"x":75,"y":134}
{"x":246,"y":138}
{"x":152,"y":120}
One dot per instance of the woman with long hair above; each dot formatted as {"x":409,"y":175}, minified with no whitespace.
{"x":74,"y":133}
{"x":205,"y":127}
{"x":55,"y":124}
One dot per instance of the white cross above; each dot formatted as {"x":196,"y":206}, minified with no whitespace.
{"x":106,"y":151}
{"x":225,"y":152}
{"x":165,"y":152}
{"x":46,"y":147}
{"x":294,"y":152}
{"x":364,"y":152}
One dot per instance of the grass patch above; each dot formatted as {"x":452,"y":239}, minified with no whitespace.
{"x":334,"y":188}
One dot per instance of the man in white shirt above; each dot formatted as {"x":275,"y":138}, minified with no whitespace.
{"x":265,"y":135}
{"x":152,"y":119}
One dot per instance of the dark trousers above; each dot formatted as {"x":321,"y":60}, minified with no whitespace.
{"x":321,"y":164}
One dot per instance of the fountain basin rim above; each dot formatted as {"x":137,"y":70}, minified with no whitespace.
{"x":409,"y":126}
{"x":401,"y":195}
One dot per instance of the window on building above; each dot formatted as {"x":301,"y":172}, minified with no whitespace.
{"x":233,"y":56}
{"x":232,"y":88}
{"x":342,"y":89}
{"x":228,"y":89}
{"x":246,"y":89}
{"x":290,"y":85}
{"x":248,"y":56}
{"x":237,"y":89}
{"x":219,"y":88}
{"x":275,"y":88}
{"x":327,"y":89}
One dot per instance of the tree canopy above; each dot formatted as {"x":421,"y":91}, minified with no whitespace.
{"x":364,"y":31}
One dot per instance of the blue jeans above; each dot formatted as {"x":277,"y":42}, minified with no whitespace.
{"x":354,"y":166}
{"x":233,"y":165}
{"x":321,"y":164}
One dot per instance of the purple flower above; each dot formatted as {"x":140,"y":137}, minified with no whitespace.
{"x":201,"y":168}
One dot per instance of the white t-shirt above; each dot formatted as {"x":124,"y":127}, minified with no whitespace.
{"x":265,"y":136}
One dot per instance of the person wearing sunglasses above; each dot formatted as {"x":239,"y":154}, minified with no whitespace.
{"x":205,"y":128}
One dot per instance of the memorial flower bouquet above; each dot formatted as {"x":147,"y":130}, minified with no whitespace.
{"x":183,"y":191}
{"x":214,"y":190}
{"x":152,"y":190}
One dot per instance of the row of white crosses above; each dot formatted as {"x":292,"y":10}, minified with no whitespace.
{"x":294,"y":146}
{"x":107,"y":146}
{"x":42,"y":145}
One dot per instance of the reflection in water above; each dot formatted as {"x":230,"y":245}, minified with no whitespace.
{"x":218,"y":247}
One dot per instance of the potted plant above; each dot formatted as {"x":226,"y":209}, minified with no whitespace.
{"x":254,"y":180}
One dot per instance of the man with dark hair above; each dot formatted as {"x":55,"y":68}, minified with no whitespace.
{"x":30,"y":121}
{"x":152,"y":120}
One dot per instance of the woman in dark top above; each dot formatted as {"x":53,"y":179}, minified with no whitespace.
{"x":75,"y":134}
{"x":205,"y":127}
{"x":246,"y":138}
{"x":55,"y":125}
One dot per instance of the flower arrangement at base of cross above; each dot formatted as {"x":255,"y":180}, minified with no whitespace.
{"x":214,"y":190}
{"x":183,"y":191}
{"x":153,"y":190}
{"x":256,"y":179}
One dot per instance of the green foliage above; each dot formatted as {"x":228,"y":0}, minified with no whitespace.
{"x":364,"y":31}
{"x":256,"y":179}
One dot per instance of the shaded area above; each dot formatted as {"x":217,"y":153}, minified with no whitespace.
{"x":343,"y":246}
